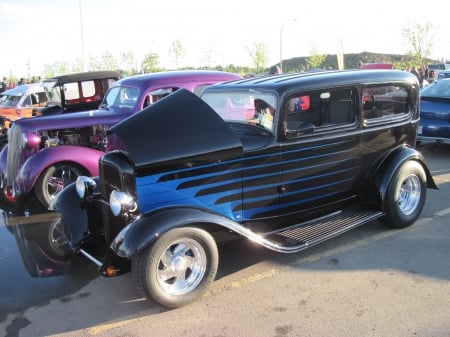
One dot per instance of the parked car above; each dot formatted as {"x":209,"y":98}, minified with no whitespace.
{"x":443,"y":74}
{"x":46,"y":153}
{"x":19,"y":102}
{"x":67,"y":93}
{"x":378,"y":65}
{"x":435,"y":113}
{"x":76,"y":92}
{"x":238,"y":161}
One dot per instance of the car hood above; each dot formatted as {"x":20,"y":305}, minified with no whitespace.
{"x":181,"y":125}
{"x":70,"y":120}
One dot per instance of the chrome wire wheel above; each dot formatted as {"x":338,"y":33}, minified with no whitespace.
{"x":181,"y":267}
{"x":410,"y":194}
{"x":54,"y":179}
{"x":58,"y":238}
{"x":60,"y":178}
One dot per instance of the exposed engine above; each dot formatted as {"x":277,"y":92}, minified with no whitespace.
{"x":92,"y":136}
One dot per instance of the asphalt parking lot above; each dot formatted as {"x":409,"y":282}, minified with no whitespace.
{"x":372,"y":281}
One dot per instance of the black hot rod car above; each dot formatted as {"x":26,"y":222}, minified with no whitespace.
{"x":286,"y":161}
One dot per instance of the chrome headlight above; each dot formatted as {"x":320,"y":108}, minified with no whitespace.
{"x":30,"y":140}
{"x":121,"y":202}
{"x":85,"y":186}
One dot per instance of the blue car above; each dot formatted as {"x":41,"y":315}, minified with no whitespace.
{"x":435,"y":113}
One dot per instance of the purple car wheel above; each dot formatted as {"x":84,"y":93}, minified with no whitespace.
{"x":54,"y":179}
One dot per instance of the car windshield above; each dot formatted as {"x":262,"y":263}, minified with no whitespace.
{"x":121,"y":97}
{"x":10,"y":101}
{"x":53,"y":92}
{"x":443,"y":74}
{"x":244,"y":107}
{"x":437,"y":89}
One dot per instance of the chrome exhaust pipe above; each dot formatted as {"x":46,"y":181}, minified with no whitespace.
{"x":90,"y":257}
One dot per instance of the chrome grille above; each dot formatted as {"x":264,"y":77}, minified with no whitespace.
{"x":16,"y":144}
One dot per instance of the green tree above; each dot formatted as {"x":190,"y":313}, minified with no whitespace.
{"x":258,"y":53}
{"x":420,"y":39}
{"x":315,"y":59}
{"x":128,"y":63}
{"x":56,"y":69}
{"x":109,"y":62}
{"x":94,"y":63}
{"x":177,"y":51}
{"x":209,"y":55}
{"x":150,"y":63}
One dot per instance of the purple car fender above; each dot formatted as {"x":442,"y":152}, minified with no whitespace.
{"x":84,"y":157}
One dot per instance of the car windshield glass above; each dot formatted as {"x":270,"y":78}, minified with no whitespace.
{"x":443,"y":74}
{"x":121,"y":97}
{"x":437,"y":89}
{"x":245,"y":107}
{"x":53,"y":92}
{"x":11,"y":100}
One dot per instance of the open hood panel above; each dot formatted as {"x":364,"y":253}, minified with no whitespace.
{"x":179,"y":126}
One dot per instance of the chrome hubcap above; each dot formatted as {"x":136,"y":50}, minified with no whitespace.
{"x":181,"y":267}
{"x":410,"y":193}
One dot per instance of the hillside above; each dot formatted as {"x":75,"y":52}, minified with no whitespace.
{"x":350,"y":61}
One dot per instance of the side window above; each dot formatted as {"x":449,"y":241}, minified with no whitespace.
{"x":88,"y":88}
{"x":383,"y":101}
{"x":155,"y":95}
{"x":27,"y":101}
{"x":71,"y":91}
{"x":307,"y":112}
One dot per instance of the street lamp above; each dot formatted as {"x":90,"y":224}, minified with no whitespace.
{"x":340,"y":54}
{"x":281,"y":42}
{"x":83,"y":56}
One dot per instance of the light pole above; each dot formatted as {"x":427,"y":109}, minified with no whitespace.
{"x":340,"y":54}
{"x":281,"y":42}
{"x":83,"y":57}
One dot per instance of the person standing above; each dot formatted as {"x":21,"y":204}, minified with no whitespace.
{"x":275,"y":70}
{"x":3,"y":85}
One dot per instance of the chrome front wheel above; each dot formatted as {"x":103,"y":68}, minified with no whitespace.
{"x":178,"y":267}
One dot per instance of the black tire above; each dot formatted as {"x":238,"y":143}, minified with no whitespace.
{"x":54,"y":179}
{"x":193,"y":258}
{"x":406,"y":195}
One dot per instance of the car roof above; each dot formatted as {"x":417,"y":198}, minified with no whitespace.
{"x":24,"y":89}
{"x":285,"y":83}
{"x":179,"y":76}
{"x":85,"y":76}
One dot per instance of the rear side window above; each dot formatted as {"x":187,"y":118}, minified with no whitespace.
{"x":384,"y":101}
{"x":321,"y":109}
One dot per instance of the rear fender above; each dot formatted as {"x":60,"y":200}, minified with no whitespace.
{"x":85,"y":157}
{"x":392,"y":163}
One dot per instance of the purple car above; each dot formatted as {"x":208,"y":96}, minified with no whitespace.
{"x":44,"y":154}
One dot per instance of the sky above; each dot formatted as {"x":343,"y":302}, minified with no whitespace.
{"x":34,"y":32}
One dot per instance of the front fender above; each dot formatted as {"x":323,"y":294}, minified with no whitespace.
{"x":136,"y":236}
{"x":390,"y":165}
{"x":74,"y":213}
{"x":33,"y":167}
